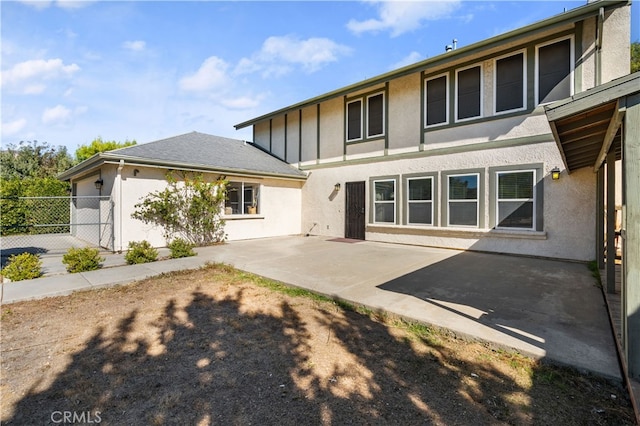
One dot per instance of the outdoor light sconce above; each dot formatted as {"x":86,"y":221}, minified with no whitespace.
{"x":98,"y":184}
{"x":555,"y":173}
{"x":336,"y":187}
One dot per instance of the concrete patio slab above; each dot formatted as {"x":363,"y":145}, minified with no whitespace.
{"x":547,"y":309}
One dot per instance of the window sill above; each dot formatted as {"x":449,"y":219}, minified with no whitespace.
{"x":456,"y":232}
{"x":242,"y":216}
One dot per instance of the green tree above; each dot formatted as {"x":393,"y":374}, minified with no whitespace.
{"x":20,"y":215}
{"x":98,"y":145}
{"x":32,"y":159}
{"x":635,"y":56}
{"x":189,"y":208}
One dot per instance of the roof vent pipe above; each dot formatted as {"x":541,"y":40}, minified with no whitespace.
{"x":455,"y":43}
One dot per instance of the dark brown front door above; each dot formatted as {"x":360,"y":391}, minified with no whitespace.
{"x":355,"y":219}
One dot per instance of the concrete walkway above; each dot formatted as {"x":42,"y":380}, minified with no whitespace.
{"x":542,"y":308}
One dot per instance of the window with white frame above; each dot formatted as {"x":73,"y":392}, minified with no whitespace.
{"x":554,"y":70}
{"x":463,"y":200}
{"x":469,"y":93}
{"x":242,"y":198}
{"x":516,"y":199}
{"x":420,"y":201}
{"x":384,"y":202}
{"x":370,"y":108}
{"x":510,"y":83}
{"x":437,"y":101}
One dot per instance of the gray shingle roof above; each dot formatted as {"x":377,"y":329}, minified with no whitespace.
{"x":207,"y":152}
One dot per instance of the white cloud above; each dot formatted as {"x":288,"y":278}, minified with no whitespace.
{"x":73,"y":4}
{"x":211,"y":75}
{"x":243,"y":102}
{"x":136,"y":46}
{"x":399,"y":17}
{"x":13,"y":127}
{"x":278,"y":55}
{"x":63,"y":4}
{"x":22,"y":74}
{"x":411,"y":58}
{"x":57,"y":115}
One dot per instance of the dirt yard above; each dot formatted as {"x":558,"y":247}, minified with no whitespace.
{"x":217,"y":346}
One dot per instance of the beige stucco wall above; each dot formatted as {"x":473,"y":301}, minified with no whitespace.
{"x":616,"y":44}
{"x":332,"y":129}
{"x":569,"y":204}
{"x":280,"y":205}
{"x":277,"y":136}
{"x":293,"y":138}
{"x":404,"y":95}
{"x":309,"y":135}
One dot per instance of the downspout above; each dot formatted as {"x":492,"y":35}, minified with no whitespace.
{"x":119,"y":200}
{"x":599,"y":29}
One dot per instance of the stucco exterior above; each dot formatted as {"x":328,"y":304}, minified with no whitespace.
{"x":490,"y":143}
{"x":279,"y":204}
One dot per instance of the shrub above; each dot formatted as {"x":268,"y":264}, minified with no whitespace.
{"x":181,"y":248}
{"x":140,"y":252}
{"x":25,"y":266}
{"x":188,"y":208}
{"x":82,"y":259}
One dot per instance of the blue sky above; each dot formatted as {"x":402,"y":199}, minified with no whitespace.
{"x":74,"y":71}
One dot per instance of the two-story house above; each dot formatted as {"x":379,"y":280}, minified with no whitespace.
{"x":456,"y":150}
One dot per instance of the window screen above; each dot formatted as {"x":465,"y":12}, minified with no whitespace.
{"x":469,"y":93}
{"x":354,"y":120}
{"x":510,"y":83}
{"x":375,"y":111}
{"x":436,"y":100}
{"x":554,"y":71}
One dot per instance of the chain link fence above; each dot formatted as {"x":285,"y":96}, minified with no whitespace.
{"x":54,"y":224}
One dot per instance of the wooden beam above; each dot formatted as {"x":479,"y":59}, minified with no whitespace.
{"x":631,"y":231}
{"x":612,"y":131}
{"x":611,"y":222}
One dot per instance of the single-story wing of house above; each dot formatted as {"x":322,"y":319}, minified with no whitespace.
{"x":263,"y":192}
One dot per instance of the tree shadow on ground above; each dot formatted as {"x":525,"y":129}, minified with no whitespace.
{"x":213,"y":362}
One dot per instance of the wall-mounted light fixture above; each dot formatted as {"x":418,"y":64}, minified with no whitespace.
{"x":336,"y":187}
{"x":98,"y":184}
{"x":555,"y":173}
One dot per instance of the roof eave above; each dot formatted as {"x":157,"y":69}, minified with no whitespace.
{"x":91,"y":163}
{"x":109,"y":158}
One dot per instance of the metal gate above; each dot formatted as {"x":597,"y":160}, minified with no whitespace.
{"x":55,"y":224}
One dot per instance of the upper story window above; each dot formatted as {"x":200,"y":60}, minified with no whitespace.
{"x":354,"y":120}
{"x":370,"y":108}
{"x":437,"y":101}
{"x":469,"y":93}
{"x":554,"y":70}
{"x":510,"y":83}
{"x":242,"y":198}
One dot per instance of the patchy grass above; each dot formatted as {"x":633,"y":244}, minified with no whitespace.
{"x":220,"y":346}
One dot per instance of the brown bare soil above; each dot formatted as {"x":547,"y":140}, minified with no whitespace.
{"x":217,"y":346}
